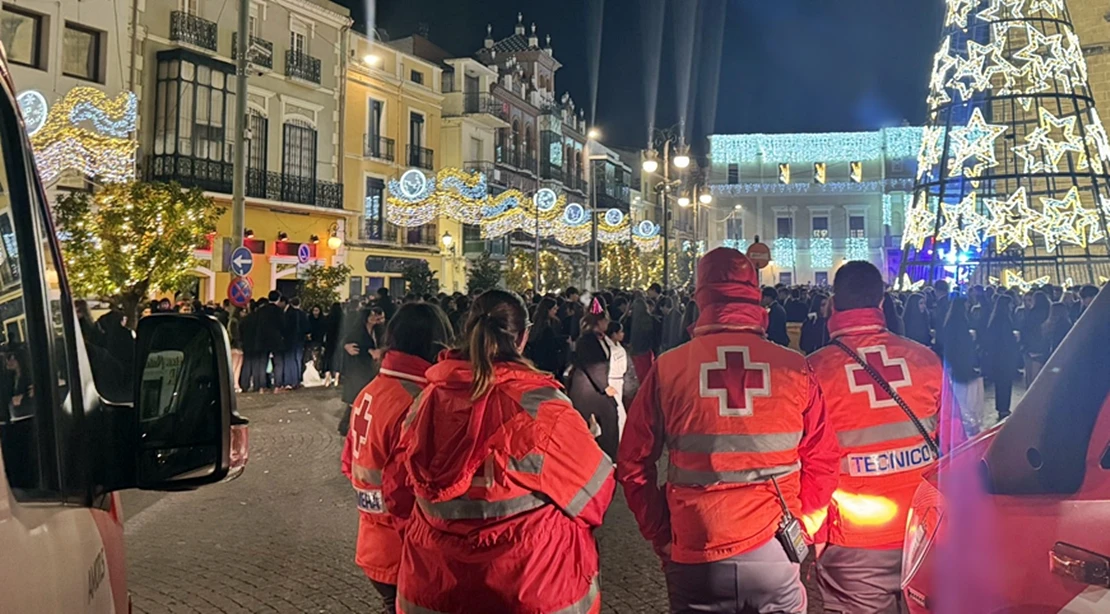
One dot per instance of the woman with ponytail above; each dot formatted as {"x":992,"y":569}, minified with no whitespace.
{"x":503,"y":480}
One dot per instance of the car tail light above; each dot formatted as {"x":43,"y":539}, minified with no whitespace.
{"x":922,"y":524}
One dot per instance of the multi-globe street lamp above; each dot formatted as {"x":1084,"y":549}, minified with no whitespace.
{"x":672,"y":144}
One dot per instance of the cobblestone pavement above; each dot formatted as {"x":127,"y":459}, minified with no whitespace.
{"x":281,"y":537}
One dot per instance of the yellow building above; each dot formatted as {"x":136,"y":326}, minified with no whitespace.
{"x":392,"y":123}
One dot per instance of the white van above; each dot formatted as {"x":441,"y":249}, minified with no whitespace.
{"x":77,"y":428}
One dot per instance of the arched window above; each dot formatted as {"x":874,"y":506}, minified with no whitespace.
{"x":529,"y":154}
{"x":515,"y":143}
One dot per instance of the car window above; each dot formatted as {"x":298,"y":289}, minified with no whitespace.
{"x":22,"y":429}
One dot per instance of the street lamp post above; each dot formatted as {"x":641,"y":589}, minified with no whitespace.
{"x":650,"y":165}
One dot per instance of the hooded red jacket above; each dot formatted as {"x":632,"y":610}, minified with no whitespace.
{"x":734,"y":410}
{"x":369,"y":448}
{"x":507,"y":491}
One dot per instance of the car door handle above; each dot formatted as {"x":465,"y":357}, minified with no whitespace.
{"x":1080,"y":565}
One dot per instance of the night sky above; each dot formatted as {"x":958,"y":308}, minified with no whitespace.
{"x":786,"y":65}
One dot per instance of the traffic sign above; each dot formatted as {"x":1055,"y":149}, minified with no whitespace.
{"x":303,"y":253}
{"x":759,"y":254}
{"x":242,"y":261}
{"x":240,"y":290}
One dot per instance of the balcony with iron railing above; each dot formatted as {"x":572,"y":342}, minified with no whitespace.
{"x":508,"y":157}
{"x":479,"y":166}
{"x":261,"y":52}
{"x":193,"y":30}
{"x":379,"y":147}
{"x":420,"y":157}
{"x":216,"y":176}
{"x":528,"y":163}
{"x":302,"y":66}
{"x":552,"y":172}
{"x":476,"y":103}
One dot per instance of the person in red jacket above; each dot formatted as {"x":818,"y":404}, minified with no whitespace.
{"x":509,"y":484}
{"x":740,"y":416}
{"x":415,"y":335}
{"x":883,"y":451}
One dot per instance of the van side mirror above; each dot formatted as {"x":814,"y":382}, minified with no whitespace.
{"x":188,"y":433}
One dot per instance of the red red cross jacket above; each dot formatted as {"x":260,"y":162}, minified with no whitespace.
{"x":733,"y":410}
{"x":508,"y":489}
{"x":371,"y":441}
{"x":882,"y":453}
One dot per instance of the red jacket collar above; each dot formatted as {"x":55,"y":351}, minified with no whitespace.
{"x":405,"y":366}
{"x":856,"y":322}
{"x":731,"y":317}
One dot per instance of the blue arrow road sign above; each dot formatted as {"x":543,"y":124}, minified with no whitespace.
{"x":242,"y":261}
{"x":303,"y":253}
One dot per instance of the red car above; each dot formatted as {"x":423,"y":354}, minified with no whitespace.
{"x":1018,"y":519}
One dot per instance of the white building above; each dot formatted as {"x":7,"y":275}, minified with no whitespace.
{"x":56,"y":47}
{"x":818,"y":200}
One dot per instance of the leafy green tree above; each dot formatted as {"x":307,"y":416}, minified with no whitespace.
{"x":484,"y":274}
{"x":128,"y":240}
{"x":321,"y":286}
{"x":419,"y":278}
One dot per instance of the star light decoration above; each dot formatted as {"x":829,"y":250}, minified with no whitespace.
{"x":86,"y":131}
{"x":958,"y":13}
{"x":1052,"y":150}
{"x":1013,"y":279}
{"x":1011,"y":220}
{"x":963,"y":225}
{"x":920,"y":222}
{"x":975,"y":142}
{"x":1067,"y":221}
{"x":905,"y":284}
{"x":1098,"y":141}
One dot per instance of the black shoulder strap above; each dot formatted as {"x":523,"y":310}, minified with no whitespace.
{"x":890,"y":391}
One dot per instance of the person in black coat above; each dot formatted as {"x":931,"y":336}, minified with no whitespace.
{"x":815,"y":330}
{"x":588,"y":384}
{"x":362,"y":348}
{"x":776,"y":323}
{"x":1000,"y":353}
{"x":333,"y":338}
{"x":269,"y":340}
{"x":546,"y":344}
{"x":916,"y":320}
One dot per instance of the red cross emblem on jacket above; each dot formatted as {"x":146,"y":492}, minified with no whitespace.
{"x":735,"y":380}
{"x":361,"y":424}
{"x":894,"y":370}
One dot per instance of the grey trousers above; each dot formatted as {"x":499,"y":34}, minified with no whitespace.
{"x":860,"y":581}
{"x":762,"y":581}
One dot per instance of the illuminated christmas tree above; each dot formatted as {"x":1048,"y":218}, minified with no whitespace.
{"x":1014,"y":169}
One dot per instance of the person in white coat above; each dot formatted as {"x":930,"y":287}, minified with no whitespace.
{"x":618,"y":366}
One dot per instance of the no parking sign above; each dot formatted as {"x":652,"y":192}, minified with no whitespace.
{"x":240,"y":290}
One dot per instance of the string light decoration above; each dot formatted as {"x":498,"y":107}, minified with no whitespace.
{"x":740,"y":245}
{"x":1014,"y":164}
{"x":409,"y":201}
{"x":888,"y":209}
{"x":855,"y":171}
{"x":801,"y":187}
{"x":828,"y":147}
{"x":784,"y":173}
{"x":85,"y":131}
{"x":784,"y":251}
{"x":625,"y":266}
{"x":555,"y":271}
{"x":574,"y":225}
{"x":820,"y":172}
{"x":857,"y":248}
{"x":821,"y":251}
{"x":646,"y":236}
{"x":1013,"y":279}
{"x":614,"y":227}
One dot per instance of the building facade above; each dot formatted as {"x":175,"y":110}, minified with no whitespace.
{"x":393,"y":122}
{"x":818,"y":200}
{"x":62,"y":54}
{"x":186,"y":84}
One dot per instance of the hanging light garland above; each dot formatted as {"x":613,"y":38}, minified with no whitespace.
{"x":857,"y":248}
{"x":646,"y":236}
{"x":821,"y":252}
{"x":784,"y":252}
{"x":86,"y":131}
{"x":614,"y":227}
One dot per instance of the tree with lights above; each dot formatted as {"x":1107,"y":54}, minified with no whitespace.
{"x":321,"y":285}
{"x":128,"y":240}
{"x":555,"y":272}
{"x":420,"y":279}
{"x":484,"y":274}
{"x":1014,"y":166}
{"x":625,"y":266}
